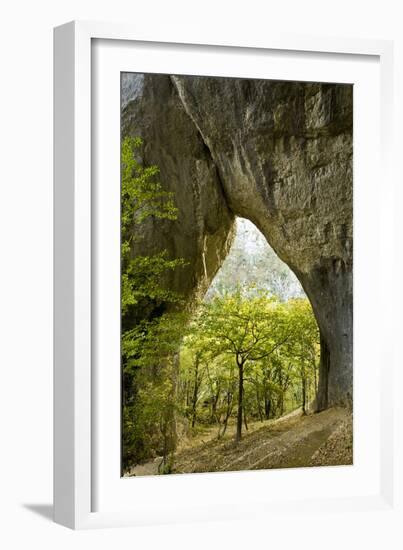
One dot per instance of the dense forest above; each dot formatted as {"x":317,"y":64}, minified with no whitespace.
{"x":245,"y":354}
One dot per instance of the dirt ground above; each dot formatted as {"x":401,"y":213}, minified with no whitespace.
{"x":322,"y":439}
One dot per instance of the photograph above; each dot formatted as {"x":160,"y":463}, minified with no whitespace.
{"x":202,"y":221}
{"x":236,"y":274}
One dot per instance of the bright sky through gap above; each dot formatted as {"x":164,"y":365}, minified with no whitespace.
{"x":251,"y":260}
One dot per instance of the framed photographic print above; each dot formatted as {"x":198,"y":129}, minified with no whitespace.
{"x":220,"y":226}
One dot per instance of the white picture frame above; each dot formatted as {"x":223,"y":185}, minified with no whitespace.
{"x":75,"y":414}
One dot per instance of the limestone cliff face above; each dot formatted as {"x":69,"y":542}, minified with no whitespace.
{"x":277,"y":153}
{"x":203,"y":232}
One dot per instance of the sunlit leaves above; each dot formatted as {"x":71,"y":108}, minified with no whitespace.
{"x":249,"y":327}
{"x":276,"y":342}
{"x":142,"y":197}
{"x":148,"y":347}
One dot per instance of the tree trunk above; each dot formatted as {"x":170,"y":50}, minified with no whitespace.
{"x":195,"y":393}
{"x":227,"y":414}
{"x":244,"y":419}
{"x":281,"y":403}
{"x":259,"y":404}
{"x":214,"y":403}
{"x":324,"y":366}
{"x":240,"y":403}
{"x":315,"y":381}
{"x":267,"y":407}
{"x":303,"y":380}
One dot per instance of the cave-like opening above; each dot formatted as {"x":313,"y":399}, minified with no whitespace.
{"x":254,"y":354}
{"x":249,"y":355}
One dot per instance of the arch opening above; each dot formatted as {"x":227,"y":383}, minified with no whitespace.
{"x":219,"y":393}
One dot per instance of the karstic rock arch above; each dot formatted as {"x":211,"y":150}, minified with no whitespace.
{"x":277,"y":153}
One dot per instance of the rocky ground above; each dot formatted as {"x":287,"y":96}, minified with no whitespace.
{"x":322,"y":439}
{"x":338,"y":448}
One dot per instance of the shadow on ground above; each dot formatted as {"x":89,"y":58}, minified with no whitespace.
{"x":44,"y":510}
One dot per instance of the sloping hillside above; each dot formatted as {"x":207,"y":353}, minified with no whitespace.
{"x":289,"y":442}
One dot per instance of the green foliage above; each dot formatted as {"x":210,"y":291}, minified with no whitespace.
{"x":147,"y":369}
{"x":249,"y":328}
{"x":150,"y":344}
{"x":142,"y":197}
{"x":141,"y":279}
{"x":254,"y":339}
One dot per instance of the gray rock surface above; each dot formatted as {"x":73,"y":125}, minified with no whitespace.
{"x":203,"y":232}
{"x":131,"y":87}
{"x":276,"y":153}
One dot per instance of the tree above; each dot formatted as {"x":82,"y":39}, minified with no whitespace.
{"x":193,"y":369}
{"x":249,"y":329}
{"x":148,"y":389}
{"x":304,"y":346}
{"x":151,"y":349}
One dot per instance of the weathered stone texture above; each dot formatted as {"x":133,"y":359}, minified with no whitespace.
{"x":203,"y":232}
